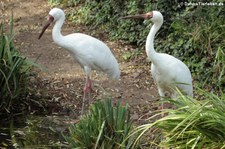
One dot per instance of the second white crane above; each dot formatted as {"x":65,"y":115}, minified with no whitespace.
{"x":167,"y":71}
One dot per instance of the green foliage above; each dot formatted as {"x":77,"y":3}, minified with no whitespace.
{"x":104,"y":126}
{"x":55,"y":2}
{"x":14,"y":71}
{"x":194,"y":124}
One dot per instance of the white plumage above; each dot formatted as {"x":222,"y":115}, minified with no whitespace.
{"x":168,"y":72}
{"x":89,"y":52}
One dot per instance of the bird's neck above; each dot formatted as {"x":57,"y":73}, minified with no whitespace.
{"x":151,"y":53}
{"x":56,"y":32}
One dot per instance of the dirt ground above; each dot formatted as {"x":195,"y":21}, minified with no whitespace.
{"x":61,"y":78}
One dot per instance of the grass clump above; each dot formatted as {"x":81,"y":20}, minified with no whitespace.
{"x":14,"y":71}
{"x":105,"y":126}
{"x":194,"y":124}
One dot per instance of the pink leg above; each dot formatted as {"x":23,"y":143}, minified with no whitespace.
{"x":87,"y":91}
{"x":88,"y":86}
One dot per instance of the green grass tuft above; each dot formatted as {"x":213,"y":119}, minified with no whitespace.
{"x":14,"y":71}
{"x":105,"y":126}
{"x":194,"y":124}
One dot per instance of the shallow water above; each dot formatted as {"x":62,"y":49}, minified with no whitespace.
{"x":34,"y":132}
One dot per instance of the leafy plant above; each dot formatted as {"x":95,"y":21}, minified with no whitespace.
{"x":104,"y":126}
{"x":55,"y":2}
{"x":194,"y":124}
{"x":14,"y":71}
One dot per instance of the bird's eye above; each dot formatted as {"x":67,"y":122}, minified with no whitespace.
{"x":149,"y":15}
{"x":51,"y":18}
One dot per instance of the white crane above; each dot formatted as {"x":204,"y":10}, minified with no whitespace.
{"x":167,"y":71}
{"x":89,"y":52}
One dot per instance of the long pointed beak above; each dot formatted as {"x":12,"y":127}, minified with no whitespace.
{"x":50,"y":20}
{"x":139,"y":16}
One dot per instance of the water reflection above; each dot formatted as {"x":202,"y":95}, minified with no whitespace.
{"x":34,"y":132}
